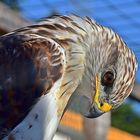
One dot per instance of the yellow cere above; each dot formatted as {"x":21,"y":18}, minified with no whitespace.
{"x":105,"y":107}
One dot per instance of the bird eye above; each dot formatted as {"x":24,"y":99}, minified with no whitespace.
{"x":108,"y":79}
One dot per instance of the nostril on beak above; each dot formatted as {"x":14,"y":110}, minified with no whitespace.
{"x":101,"y":104}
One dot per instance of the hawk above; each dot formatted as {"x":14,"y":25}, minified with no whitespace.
{"x":43,"y":65}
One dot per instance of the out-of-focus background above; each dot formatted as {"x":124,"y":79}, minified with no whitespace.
{"x":124,"y":18}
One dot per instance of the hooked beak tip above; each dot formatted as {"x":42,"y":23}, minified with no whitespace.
{"x":94,"y":112}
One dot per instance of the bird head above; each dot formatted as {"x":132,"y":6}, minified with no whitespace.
{"x":110,"y":70}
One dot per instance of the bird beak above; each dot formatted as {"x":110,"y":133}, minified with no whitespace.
{"x":97,"y":109}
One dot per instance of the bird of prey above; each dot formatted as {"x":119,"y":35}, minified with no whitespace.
{"x":43,"y":65}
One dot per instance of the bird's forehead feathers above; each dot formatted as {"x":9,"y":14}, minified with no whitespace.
{"x":103,"y":51}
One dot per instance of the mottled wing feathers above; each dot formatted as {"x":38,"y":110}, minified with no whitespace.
{"x":29,"y":66}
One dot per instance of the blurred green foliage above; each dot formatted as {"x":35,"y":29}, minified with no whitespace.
{"x":127,"y":119}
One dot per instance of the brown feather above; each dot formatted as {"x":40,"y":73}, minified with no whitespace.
{"x":29,"y":66}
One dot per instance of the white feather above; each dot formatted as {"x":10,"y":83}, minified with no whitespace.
{"x":42,"y":121}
